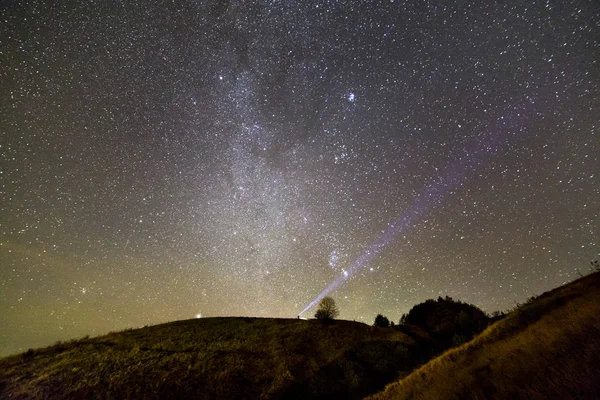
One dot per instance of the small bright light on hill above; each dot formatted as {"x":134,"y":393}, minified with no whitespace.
{"x":198,"y":315}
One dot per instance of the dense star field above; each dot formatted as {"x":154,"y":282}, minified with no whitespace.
{"x":172,"y":160}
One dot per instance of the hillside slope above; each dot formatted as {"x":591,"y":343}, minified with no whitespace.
{"x":217,"y":358}
{"x":548,"y":348}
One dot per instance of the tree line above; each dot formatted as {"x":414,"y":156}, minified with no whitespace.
{"x":450,"y":321}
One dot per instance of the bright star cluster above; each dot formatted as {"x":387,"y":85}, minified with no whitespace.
{"x":175,"y":160}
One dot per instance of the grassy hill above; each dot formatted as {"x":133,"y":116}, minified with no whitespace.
{"x":548,"y":348}
{"x":219,"y":358}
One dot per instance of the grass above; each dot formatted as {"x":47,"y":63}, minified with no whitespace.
{"x":216,"y":358}
{"x":547,"y":348}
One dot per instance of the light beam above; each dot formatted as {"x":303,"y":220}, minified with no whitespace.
{"x":456,"y":174}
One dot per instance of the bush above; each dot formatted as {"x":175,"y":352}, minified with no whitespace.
{"x":448,"y":320}
{"x":28,"y":355}
{"x":381,"y":321}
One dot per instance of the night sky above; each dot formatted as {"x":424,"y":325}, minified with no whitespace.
{"x":172,"y":160}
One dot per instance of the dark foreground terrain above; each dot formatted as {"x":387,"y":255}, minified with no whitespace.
{"x":219,"y":358}
{"x":547,"y":348}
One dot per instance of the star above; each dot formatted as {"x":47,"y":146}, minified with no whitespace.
{"x":275,"y":151}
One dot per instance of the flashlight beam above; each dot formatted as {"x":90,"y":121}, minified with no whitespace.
{"x":457,"y":173}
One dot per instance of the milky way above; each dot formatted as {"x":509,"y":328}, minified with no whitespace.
{"x":171,"y":160}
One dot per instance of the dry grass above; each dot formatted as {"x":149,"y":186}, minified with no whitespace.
{"x":549,"y":348}
{"x":215,"y":358}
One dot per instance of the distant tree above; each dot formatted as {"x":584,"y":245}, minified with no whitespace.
{"x":402,"y":320}
{"x":450,"y":321}
{"x":392,"y":323}
{"x":381,"y":321}
{"x":327,"y":309}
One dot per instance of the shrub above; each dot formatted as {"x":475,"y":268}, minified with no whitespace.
{"x":448,"y":320}
{"x":381,"y":321}
{"x":28,"y":355}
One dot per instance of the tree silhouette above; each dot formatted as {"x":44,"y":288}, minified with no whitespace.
{"x":448,"y":320}
{"x":402,"y":320}
{"x":381,"y":321}
{"x":327,"y":309}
